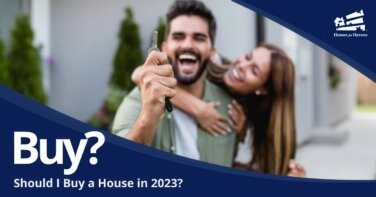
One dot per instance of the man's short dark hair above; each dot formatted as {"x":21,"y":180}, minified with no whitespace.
{"x":195,"y":8}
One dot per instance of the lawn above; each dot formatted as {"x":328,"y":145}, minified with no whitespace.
{"x":366,"y":108}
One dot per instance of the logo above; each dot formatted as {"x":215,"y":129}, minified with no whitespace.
{"x":351,"y":23}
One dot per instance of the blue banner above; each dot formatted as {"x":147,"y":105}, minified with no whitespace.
{"x":128,"y":168}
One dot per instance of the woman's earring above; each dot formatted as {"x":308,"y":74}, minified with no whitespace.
{"x":258,"y":92}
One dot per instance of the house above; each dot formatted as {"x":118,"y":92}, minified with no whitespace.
{"x":339,"y":22}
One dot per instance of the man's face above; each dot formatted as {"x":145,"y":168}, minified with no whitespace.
{"x":188,"y":47}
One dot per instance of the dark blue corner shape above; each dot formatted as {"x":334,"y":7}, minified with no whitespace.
{"x":120,"y":159}
{"x":314,"y":20}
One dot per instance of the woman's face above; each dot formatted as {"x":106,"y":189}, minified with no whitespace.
{"x":250,"y":72}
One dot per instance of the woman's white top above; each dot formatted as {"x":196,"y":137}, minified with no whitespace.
{"x":244,"y":154}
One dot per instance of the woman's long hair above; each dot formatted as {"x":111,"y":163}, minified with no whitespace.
{"x":272,"y":117}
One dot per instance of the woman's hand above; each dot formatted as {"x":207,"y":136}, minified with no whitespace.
{"x":296,"y":170}
{"x":237,"y":117}
{"x":211,"y":120}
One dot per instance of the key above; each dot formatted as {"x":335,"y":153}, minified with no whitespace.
{"x":154,"y":47}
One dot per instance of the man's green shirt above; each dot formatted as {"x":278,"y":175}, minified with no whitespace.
{"x":218,"y":150}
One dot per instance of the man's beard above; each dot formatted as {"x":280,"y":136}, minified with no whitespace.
{"x":188,"y":80}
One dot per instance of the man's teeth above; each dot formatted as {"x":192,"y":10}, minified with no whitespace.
{"x":187,"y":57}
{"x":235,"y":73}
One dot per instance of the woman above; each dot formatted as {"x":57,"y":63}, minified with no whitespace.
{"x":262,"y":81}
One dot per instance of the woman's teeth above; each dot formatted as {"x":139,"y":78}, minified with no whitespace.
{"x":235,"y":74}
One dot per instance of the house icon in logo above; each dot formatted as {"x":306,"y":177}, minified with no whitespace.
{"x":339,"y":22}
{"x":353,"y":22}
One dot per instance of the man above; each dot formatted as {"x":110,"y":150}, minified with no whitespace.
{"x":188,"y":45}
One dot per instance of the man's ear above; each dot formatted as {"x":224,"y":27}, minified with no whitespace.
{"x":164,"y":46}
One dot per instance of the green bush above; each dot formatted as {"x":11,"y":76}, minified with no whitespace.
{"x":23,"y":65}
{"x":334,"y":76}
{"x":3,"y":70}
{"x":104,"y":117}
{"x":128,"y":55}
